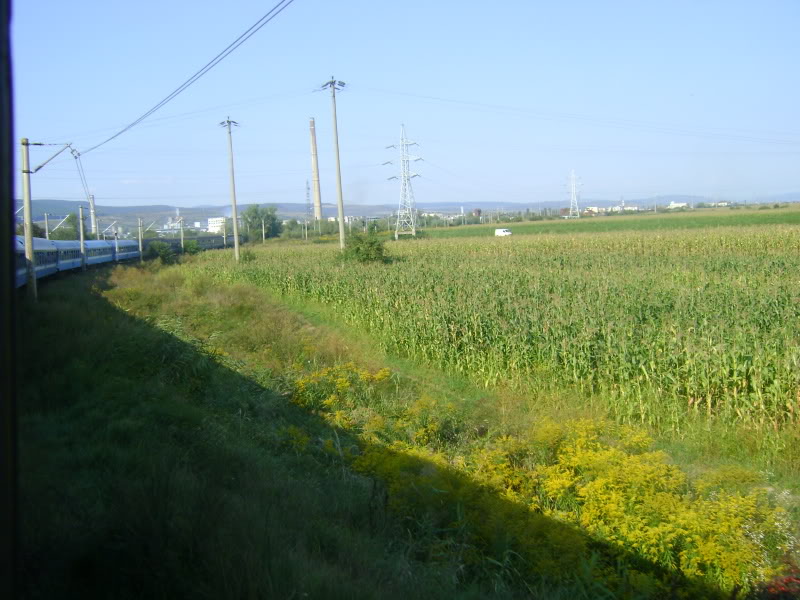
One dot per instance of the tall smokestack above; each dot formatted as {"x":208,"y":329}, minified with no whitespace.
{"x":315,"y":172}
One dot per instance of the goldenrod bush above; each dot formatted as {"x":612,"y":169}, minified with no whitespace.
{"x":555,"y":493}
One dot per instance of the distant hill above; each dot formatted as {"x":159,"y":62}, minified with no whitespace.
{"x":127,"y":216}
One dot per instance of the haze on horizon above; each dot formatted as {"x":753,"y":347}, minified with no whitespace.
{"x":641,"y":100}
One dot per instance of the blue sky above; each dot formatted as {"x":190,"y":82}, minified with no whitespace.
{"x":640,"y":98}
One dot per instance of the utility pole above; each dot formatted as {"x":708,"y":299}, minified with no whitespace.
{"x":83,"y":241}
{"x":227,"y":123}
{"x":224,"y":232}
{"x":93,"y":216}
{"x":309,"y":215}
{"x":337,"y":85}
{"x":315,"y":172}
{"x":263,"y":232}
{"x":30,"y":259}
{"x":182,"y":245}
{"x":407,"y":210}
{"x":46,"y":227}
{"x":141,"y":234}
{"x":107,"y":228}
{"x":116,"y":246}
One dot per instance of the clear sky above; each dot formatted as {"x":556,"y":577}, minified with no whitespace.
{"x":505,"y":98}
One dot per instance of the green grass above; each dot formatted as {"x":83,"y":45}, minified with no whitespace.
{"x":151,"y":467}
{"x":645,"y":222}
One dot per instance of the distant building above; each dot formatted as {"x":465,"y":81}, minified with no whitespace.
{"x":673,"y":205}
{"x":216,"y":224}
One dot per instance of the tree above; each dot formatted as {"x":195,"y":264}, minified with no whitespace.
{"x":37,"y":230}
{"x":253,"y":216}
{"x":68,"y":230}
{"x":365,"y":248}
{"x":160,"y":250}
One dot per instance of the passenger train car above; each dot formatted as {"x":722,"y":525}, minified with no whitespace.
{"x":54,"y":256}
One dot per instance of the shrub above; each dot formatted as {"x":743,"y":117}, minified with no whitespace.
{"x":365,"y":248}
{"x":191,"y":247}
{"x":160,"y":250}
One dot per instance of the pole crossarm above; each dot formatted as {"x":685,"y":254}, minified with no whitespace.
{"x":37,"y":169}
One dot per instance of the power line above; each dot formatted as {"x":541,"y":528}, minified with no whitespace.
{"x":607,"y":121}
{"x":274,"y":12}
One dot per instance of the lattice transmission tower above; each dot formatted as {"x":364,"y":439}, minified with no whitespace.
{"x":574,"y":211}
{"x":407,"y":211}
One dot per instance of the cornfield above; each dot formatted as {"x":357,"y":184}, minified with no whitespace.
{"x":656,"y":326}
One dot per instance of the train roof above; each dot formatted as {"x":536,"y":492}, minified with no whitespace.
{"x":38,"y":244}
{"x":98,"y":244}
{"x":66,"y":244}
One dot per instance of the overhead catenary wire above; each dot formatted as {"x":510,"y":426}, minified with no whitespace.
{"x":81,"y":172}
{"x":274,"y":12}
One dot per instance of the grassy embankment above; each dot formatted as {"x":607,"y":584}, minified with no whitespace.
{"x":491,"y":492}
{"x":157,"y":465}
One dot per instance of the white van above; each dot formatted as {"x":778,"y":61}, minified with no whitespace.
{"x":502,"y":232}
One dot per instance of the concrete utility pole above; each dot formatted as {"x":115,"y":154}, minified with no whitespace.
{"x":141,"y":234}
{"x":227,"y":123}
{"x":337,"y":85}
{"x":224,"y":232}
{"x":315,"y":171}
{"x":81,"y":237}
{"x":116,"y":247}
{"x":30,"y":260}
{"x":46,"y":227}
{"x":181,"y":222}
{"x":92,"y":216}
{"x":263,"y":232}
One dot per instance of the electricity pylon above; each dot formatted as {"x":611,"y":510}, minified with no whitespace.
{"x":407,"y":211}
{"x":574,"y":211}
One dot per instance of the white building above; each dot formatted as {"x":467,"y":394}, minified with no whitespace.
{"x":216,"y":224}
{"x":673,"y":205}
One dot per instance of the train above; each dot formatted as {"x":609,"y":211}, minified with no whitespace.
{"x":54,"y":256}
